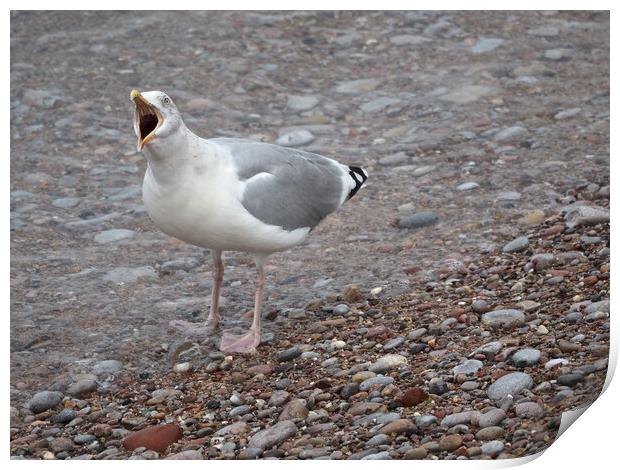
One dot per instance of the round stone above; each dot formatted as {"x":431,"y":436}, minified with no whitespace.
{"x":492,"y":448}
{"x":509,"y":384}
{"x":44,"y":401}
{"x":526,"y":357}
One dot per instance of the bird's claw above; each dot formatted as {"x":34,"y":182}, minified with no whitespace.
{"x":246,"y":343}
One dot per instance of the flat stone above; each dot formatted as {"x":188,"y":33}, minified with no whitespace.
{"x":82,"y":388}
{"x":378,"y":380}
{"x":468,"y":367}
{"x":408,"y":40}
{"x":296,"y":138}
{"x":413,"y":396}
{"x":491,"y":418}
{"x":526,"y":357}
{"x":418,"y":220}
{"x":294,"y":409}
{"x":529,"y":410}
{"x":400,"y":426}
{"x":124,"y":275}
{"x":157,"y":438}
{"x":61,"y":444}
{"x":510,"y":134}
{"x":387,"y":362}
{"x":450,"y":442}
{"x":468,"y":94}
{"x":44,"y":401}
{"x":566,"y":114}
{"x":114,"y":235}
{"x":66,"y":202}
{"x":273,"y":435}
{"x":289,"y":354}
{"x":378,"y":104}
{"x":186,"y":455}
{"x":516,"y":245}
{"x":394,"y":159}
{"x":425,"y":421}
{"x":384,"y":455}
{"x":570,"y":380}
{"x":237,"y":428}
{"x":468,"y":186}
{"x":503,"y":318}
{"x":544,"y":31}
{"x":587,"y":215}
{"x":558,"y":54}
{"x":490,"y":433}
{"x":64,"y":416}
{"x":354,"y":87}
{"x":109,"y":366}
{"x":300,"y":103}
{"x":464,"y":417}
{"x":486,"y":45}
{"x":510,"y":384}
{"x":393,"y":344}
{"x":418,"y":453}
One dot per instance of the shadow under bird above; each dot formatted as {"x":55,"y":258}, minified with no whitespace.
{"x":233,"y":194}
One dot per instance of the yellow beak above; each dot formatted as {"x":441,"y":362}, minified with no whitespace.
{"x":134,"y":94}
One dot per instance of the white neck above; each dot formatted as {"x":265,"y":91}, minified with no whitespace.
{"x":168,"y":155}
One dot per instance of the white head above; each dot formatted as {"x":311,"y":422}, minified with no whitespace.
{"x":156,"y":116}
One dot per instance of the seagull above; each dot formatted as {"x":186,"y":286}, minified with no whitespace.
{"x":229,"y":194}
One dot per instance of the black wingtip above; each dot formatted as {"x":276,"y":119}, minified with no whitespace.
{"x":360,"y":176}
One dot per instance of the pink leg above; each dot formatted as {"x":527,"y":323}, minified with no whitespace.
{"x":218,"y":275}
{"x":247,"y":342}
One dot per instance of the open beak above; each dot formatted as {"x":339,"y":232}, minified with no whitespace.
{"x":148,"y":119}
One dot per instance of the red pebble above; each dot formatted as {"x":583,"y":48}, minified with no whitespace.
{"x":156,"y":438}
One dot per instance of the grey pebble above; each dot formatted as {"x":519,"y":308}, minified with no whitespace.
{"x":379,"y":379}
{"x":420,"y":219}
{"x":109,"y":366}
{"x":64,"y":416}
{"x":66,"y":202}
{"x":516,"y":245}
{"x":114,"y":235}
{"x":504,"y":318}
{"x":510,"y":384}
{"x":289,"y":354}
{"x":44,"y":401}
{"x":526,"y":357}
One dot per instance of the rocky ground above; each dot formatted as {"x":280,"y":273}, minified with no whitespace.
{"x":453,"y":309}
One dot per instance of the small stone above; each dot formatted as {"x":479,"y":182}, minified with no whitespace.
{"x":66,"y":202}
{"x":570,"y":380}
{"x":418,"y":220}
{"x":491,"y":418}
{"x":157,"y":438}
{"x":425,"y":421}
{"x":408,"y":40}
{"x":486,"y":45}
{"x":250,"y":453}
{"x":490,"y":433}
{"x":416,"y":454}
{"x":516,"y":245}
{"x":567,"y":346}
{"x":542,"y":261}
{"x":510,"y":134}
{"x":468,"y":367}
{"x":566,"y":114}
{"x":182,"y":367}
{"x":273,"y":435}
{"x":296,"y":138}
{"x":413,"y":396}
{"x":115,"y":235}
{"x":378,"y":380}
{"x":503,"y":318}
{"x":378,"y":104}
{"x":387,"y":362}
{"x":64,"y":416}
{"x":294,"y":409}
{"x":123,"y":275}
{"x":453,"y":419}
{"x":480,"y":306}
{"x":558,"y":54}
{"x":394,"y":159}
{"x":468,"y":94}
{"x":509,"y":384}
{"x":377,"y":440}
{"x":385,"y":455}
{"x":109,"y":366}
{"x":450,"y":442}
{"x":61,"y":444}
{"x":529,"y":410}
{"x":278,"y":398}
{"x":467,"y":186}
{"x":82,"y":388}
{"x":544,"y":31}
{"x":289,"y":354}
{"x":587,"y":215}
{"x":82,"y":439}
{"x":393,"y":344}
{"x":526,"y":357}
{"x":438,"y":387}
{"x":186,"y":455}
{"x":301,"y":103}
{"x":44,"y":401}
{"x":355,"y":87}
{"x":400,"y":426}
{"x":492,"y":448}
{"x":341,"y":309}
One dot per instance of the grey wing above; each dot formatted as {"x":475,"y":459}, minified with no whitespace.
{"x":287,"y":187}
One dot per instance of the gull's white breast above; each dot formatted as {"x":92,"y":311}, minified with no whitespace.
{"x":199,"y":201}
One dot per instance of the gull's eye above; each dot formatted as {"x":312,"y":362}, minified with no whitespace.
{"x":166,"y":100}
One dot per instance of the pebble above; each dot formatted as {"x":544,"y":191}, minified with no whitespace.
{"x":289,"y":354}
{"x":399,"y":426}
{"x":526,"y":357}
{"x":61,"y":444}
{"x":384,"y":455}
{"x":464,"y":417}
{"x":468,"y":186}
{"x":492,"y":448}
{"x":44,"y":401}
{"x":486,"y":45}
{"x":490,"y":433}
{"x":510,"y":134}
{"x":114,"y":235}
{"x":438,"y":387}
{"x":544,"y":31}
{"x":157,"y":438}
{"x":503,"y":318}
{"x":378,"y":380}
{"x":273,"y":435}
{"x":393,"y":344}
{"x":82,"y":439}
{"x":64,"y":416}
{"x":408,"y":40}
{"x":450,"y":442}
{"x":558,"y":54}
{"x":377,"y":440}
{"x":387,"y":362}
{"x":82,"y":388}
{"x":413,"y":396}
{"x":480,"y":306}
{"x":124,"y":275}
{"x":586,"y":216}
{"x":570,"y":380}
{"x":300,"y":103}
{"x":66,"y":202}
{"x":509,"y":384}
{"x":355,"y":87}
{"x":468,"y":367}
{"x":468,"y":94}
{"x":295,"y":138}
{"x":517,"y":245}
{"x":186,"y":455}
{"x":107,"y":367}
{"x":378,"y":104}
{"x":341,"y":309}
{"x":394,"y":159}
{"x":566,"y":114}
{"x":418,"y":220}
{"x":294,"y":409}
{"x":418,"y":453}
{"x":529,"y":410}
{"x":491,"y":418}
{"x":425,"y":421}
